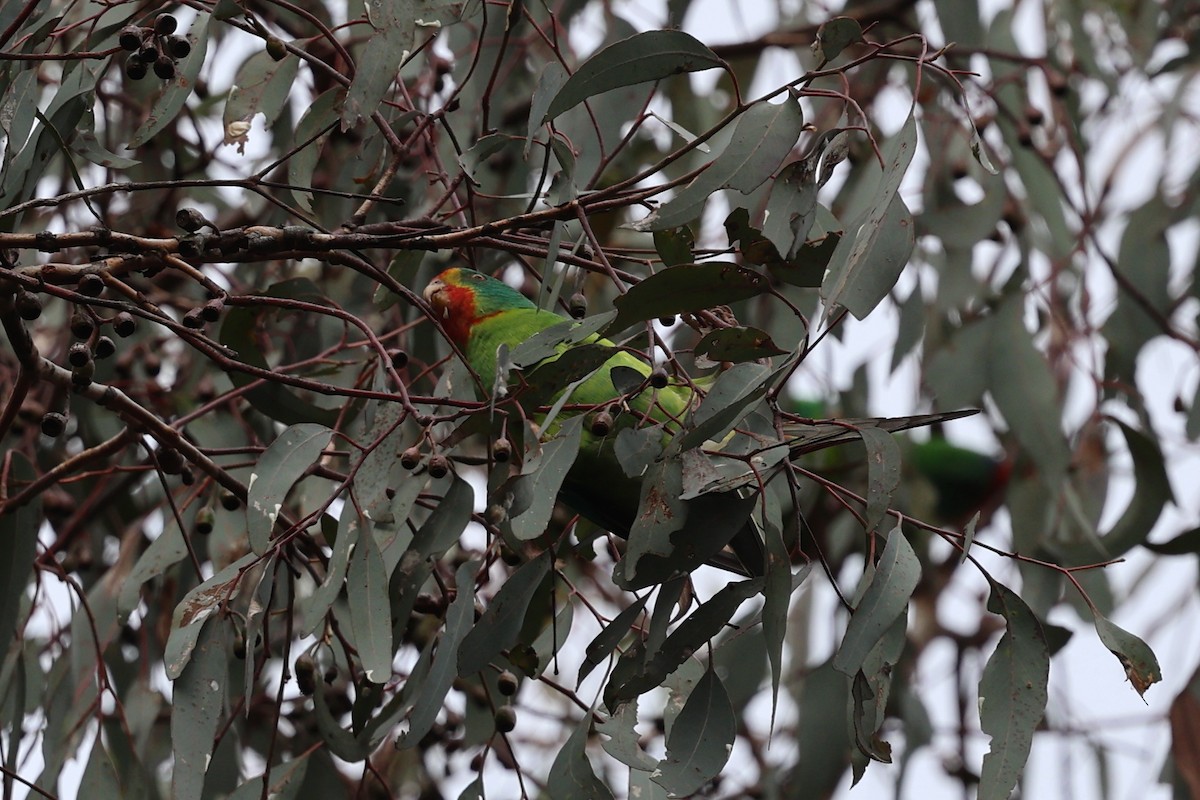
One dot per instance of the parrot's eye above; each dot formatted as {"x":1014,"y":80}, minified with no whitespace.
{"x":478,"y":277}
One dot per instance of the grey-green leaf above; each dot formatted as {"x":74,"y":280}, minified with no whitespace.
{"x":445,"y":661}
{"x":700,"y":740}
{"x":886,"y":597}
{"x":1141,"y":666}
{"x":571,"y":775}
{"x":500,"y":625}
{"x":196,"y":709}
{"x":18,"y":547}
{"x":1012,"y":693}
{"x":370,"y":607}
{"x":643,"y":57}
{"x":283,"y":463}
{"x":883,"y":473}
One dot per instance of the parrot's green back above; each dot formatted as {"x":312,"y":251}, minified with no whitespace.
{"x":481,"y":315}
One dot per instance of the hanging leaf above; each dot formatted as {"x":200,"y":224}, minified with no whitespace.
{"x":370,"y":607}
{"x":644,"y":57}
{"x":1141,"y":667}
{"x":1012,"y":693}
{"x":886,"y":597}
{"x":686,"y":288}
{"x":700,"y":740}
{"x":281,"y":465}
{"x":571,"y":774}
{"x":18,"y":549}
{"x":500,"y":625}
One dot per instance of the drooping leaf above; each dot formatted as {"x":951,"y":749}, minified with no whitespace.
{"x":389,"y":44}
{"x":605,"y":642}
{"x":701,"y":626}
{"x":1012,"y":693}
{"x":571,"y":776}
{"x":835,"y":35}
{"x":644,"y":57}
{"x":699,"y":742}
{"x":1141,"y":666}
{"x":18,"y":548}
{"x":460,"y":615}
{"x":886,"y":597}
{"x":262,"y":86}
{"x":193,"y":611}
{"x":878,"y":251}
{"x":686,"y":288}
{"x":198,"y":698}
{"x":762,"y":138}
{"x":883,"y":473}
{"x":370,"y":607}
{"x":500,"y":625}
{"x":557,"y":457}
{"x":281,"y":465}
{"x":736,"y":345}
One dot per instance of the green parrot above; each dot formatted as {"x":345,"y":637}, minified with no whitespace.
{"x":480,"y":314}
{"x":965,"y":481}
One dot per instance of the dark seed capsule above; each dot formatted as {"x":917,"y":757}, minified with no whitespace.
{"x":165,"y":24}
{"x":659,"y":378}
{"x":502,"y":450}
{"x":399,"y":359}
{"x":124,"y":324}
{"x":276,"y":49}
{"x":105,"y":347}
{"x":193,"y":319}
{"x":82,"y":376}
{"x":410,"y":459}
{"x":602,"y":423}
{"x":204,"y":521}
{"x":179,"y":47}
{"x":91,"y":284}
{"x":189,"y":219}
{"x":54,"y":423}
{"x":507,"y":683}
{"x":439,"y":466}
{"x":135,"y":68}
{"x":211,"y":311}
{"x":186,"y":476}
{"x":164,"y":67}
{"x":170,"y":460}
{"x":81,"y":325}
{"x":79,"y":355}
{"x":666,"y":322}
{"x":506,"y":719}
{"x":29,"y":306}
{"x":229,"y":501}
{"x":577,"y":306}
{"x":130,"y":38}
{"x":306,"y":674}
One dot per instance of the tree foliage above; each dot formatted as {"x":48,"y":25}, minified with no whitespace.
{"x":266,"y":533}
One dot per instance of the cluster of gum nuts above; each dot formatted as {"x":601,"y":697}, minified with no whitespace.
{"x":156,"y":47}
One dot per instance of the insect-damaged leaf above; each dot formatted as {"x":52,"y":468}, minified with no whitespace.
{"x":1141,"y":667}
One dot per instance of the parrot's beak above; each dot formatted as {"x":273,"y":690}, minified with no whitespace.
{"x":433,"y":294}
